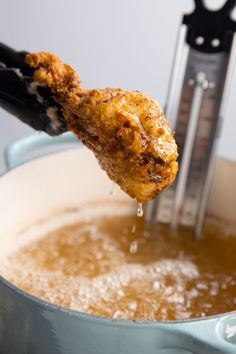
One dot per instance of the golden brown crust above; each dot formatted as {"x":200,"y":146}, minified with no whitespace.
{"x":126,"y":130}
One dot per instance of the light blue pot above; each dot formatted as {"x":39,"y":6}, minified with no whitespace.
{"x":31,"y":326}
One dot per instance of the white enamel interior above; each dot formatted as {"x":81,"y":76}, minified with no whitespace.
{"x":44,"y":188}
{"x":47,"y":187}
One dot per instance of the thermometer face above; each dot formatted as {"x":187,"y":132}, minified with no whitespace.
{"x":214,"y":67}
{"x":198,"y":109}
{"x":203,"y":66}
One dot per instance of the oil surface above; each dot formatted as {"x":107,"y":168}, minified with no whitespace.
{"x":119,"y":267}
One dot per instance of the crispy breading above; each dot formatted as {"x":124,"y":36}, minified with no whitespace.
{"x":126,"y":130}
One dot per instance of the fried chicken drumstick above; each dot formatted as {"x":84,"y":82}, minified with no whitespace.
{"x":126,"y":130}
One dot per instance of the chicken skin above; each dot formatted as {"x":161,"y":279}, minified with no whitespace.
{"x":126,"y":130}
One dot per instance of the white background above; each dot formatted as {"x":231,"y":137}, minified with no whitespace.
{"x":117,"y":43}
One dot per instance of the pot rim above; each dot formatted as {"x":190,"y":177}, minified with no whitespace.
{"x":86,"y":316}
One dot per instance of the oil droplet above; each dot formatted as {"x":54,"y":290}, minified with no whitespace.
{"x":140,"y":210}
{"x":112,"y":190}
{"x":156,"y":285}
{"x":133,"y":247}
{"x":133,"y":229}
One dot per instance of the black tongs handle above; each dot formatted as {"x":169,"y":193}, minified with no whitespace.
{"x":14,"y":59}
{"x":215,"y":28}
{"x":32,"y":103}
{"x":228,"y":6}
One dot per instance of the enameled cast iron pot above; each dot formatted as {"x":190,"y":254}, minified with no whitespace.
{"x":42,"y":187}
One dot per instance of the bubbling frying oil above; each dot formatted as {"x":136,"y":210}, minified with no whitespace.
{"x":119,"y":267}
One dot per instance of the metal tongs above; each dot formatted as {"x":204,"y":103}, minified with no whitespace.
{"x":19,"y":95}
{"x":199,"y":86}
